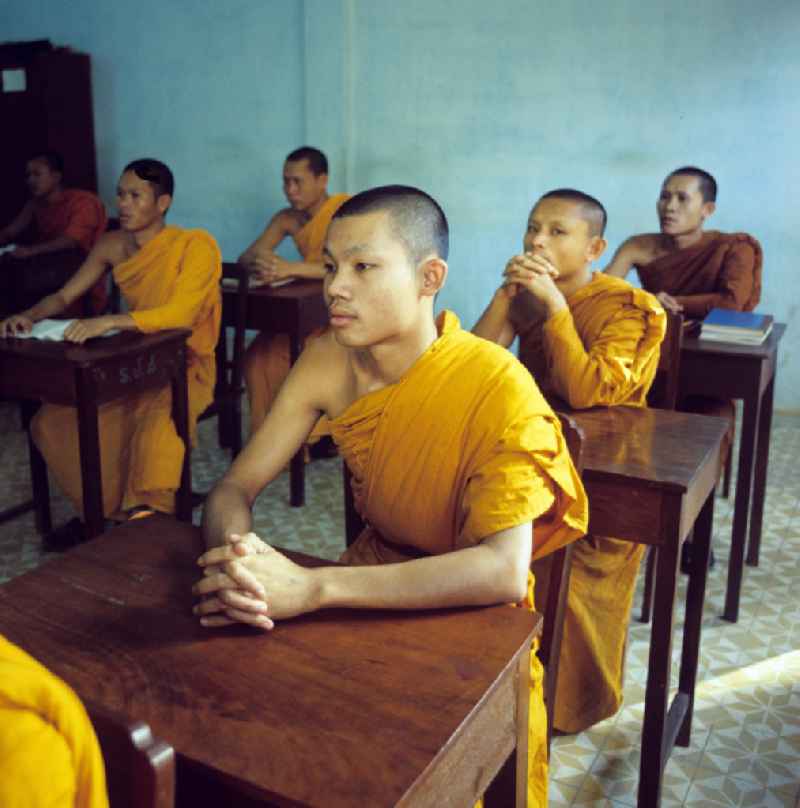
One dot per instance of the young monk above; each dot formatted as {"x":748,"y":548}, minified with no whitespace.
{"x":170,"y":279}
{"x":687,"y":268}
{"x":60,"y":219}
{"x":306,"y":220}
{"x":459,"y":465}
{"x":590,"y":340}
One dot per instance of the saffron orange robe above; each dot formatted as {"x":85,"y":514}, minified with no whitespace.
{"x":602,"y":351}
{"x":723,"y":270}
{"x":81,"y":216}
{"x":49,"y":755}
{"x":462,"y":447}
{"x":267,"y":359}
{"x":172,"y":282}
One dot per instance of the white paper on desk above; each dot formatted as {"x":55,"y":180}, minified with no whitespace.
{"x":254,"y":283}
{"x":8,"y":248}
{"x":54,"y":330}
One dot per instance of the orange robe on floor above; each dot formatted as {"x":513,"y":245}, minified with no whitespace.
{"x":602,"y":351}
{"x":49,"y":755}
{"x":81,"y":216}
{"x":462,"y":447}
{"x":723,"y":270}
{"x":172,"y":282}
{"x":267,"y":361}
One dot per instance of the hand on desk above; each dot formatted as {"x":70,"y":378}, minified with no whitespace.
{"x":16,"y":324}
{"x":270,"y":268}
{"x":669,"y":302}
{"x":81,"y":330}
{"x":247,"y":581}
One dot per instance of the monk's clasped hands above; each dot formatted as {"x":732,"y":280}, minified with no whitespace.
{"x":247,"y":581}
{"x":535,"y":274}
{"x":271,"y":268}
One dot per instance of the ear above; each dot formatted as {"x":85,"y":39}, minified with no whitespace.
{"x":597,"y":246}
{"x":707,"y":209}
{"x":433,"y":276}
{"x":163,"y":202}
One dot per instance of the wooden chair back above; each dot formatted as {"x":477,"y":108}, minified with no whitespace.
{"x":140,"y":770}
{"x":556,"y":604}
{"x":664,"y":392}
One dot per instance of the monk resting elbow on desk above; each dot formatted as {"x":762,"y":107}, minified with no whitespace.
{"x":306,"y":220}
{"x":453,"y":450}
{"x":170,"y":279}
{"x":591,"y":341}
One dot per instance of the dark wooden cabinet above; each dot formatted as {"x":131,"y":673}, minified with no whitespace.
{"x":53,"y":111}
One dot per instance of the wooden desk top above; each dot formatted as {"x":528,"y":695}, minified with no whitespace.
{"x":336,"y":708}
{"x":297,"y":289}
{"x":93,"y":351}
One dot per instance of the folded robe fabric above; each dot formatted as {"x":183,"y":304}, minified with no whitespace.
{"x":172,"y":282}
{"x":602,"y":351}
{"x":723,"y":270}
{"x":462,"y":447}
{"x":267,"y":359}
{"x":49,"y":755}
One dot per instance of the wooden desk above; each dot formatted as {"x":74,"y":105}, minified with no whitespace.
{"x":746,"y":372}
{"x":296,"y":309}
{"x":650,"y":477}
{"x":85,"y":376}
{"x":338,"y":708}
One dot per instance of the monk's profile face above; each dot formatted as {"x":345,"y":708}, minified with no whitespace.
{"x":303,"y":189}
{"x":558,"y":231}
{"x":371,"y":284}
{"x":42,"y":180}
{"x":137,"y":203}
{"x":681,"y":208}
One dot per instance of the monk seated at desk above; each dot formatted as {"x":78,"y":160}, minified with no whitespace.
{"x":306,"y":220}
{"x":691,"y":270}
{"x":590,"y":340}
{"x":54,"y":220}
{"x":459,"y":465}
{"x":169,"y":278}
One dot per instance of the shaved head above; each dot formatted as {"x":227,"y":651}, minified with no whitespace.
{"x":707,"y":184}
{"x":416,"y":218}
{"x":592,"y":211}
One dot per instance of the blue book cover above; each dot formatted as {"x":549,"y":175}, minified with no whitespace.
{"x":736,"y":320}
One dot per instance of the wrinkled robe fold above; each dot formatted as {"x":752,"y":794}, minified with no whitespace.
{"x":267,"y":359}
{"x":602,"y":351}
{"x":462,"y":447}
{"x":723,"y":270}
{"x":172,"y":282}
{"x":81,"y":216}
{"x":49,"y":755}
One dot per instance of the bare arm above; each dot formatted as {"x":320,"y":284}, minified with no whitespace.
{"x":274,"y":233}
{"x":249,"y":581}
{"x":17,"y":225}
{"x":626,"y":256}
{"x":287,"y":425}
{"x":54,"y":245}
{"x":494,"y":324}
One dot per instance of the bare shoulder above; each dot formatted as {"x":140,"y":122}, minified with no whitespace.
{"x":637,"y":251}
{"x":324,"y":370}
{"x":289,"y":220}
{"x":112,"y":248}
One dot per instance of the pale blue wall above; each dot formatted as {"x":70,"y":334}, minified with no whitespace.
{"x":485,"y":105}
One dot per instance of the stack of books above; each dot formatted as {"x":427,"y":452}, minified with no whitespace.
{"x":739,"y":327}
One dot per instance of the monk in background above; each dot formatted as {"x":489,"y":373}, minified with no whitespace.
{"x":460,"y":469}
{"x":169,"y":278}
{"x":691,"y":270}
{"x":306,"y":220}
{"x":55,"y":219}
{"x":590,"y":340}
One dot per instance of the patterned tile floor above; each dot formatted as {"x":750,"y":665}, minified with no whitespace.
{"x":745,"y":748}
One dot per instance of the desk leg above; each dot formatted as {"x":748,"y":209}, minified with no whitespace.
{"x":695,"y":598}
{"x":654,"y":729}
{"x":741,"y":506}
{"x":89,"y":447}
{"x":297,"y":467}
{"x":760,"y":473}
{"x":180,"y":415}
